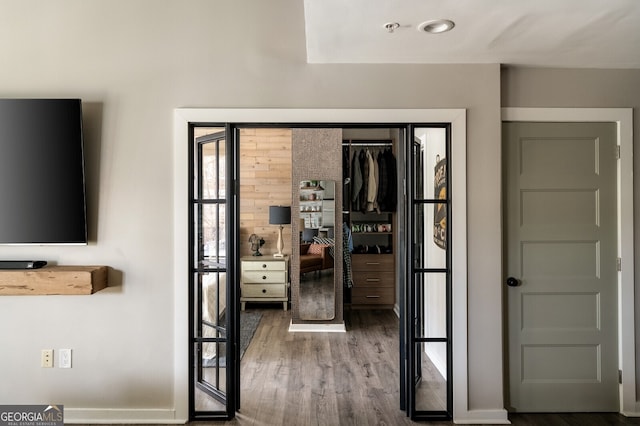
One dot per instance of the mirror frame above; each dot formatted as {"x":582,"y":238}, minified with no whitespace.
{"x":315,"y":208}
{"x":325,"y":164}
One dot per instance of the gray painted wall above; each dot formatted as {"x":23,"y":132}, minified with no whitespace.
{"x":134,"y":62}
{"x":588,"y":88}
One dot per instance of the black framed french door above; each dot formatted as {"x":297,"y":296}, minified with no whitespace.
{"x":213,"y":304}
{"x":427,"y":323}
{"x":424,"y":277}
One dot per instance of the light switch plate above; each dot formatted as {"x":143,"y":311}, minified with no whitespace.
{"x":64,"y":358}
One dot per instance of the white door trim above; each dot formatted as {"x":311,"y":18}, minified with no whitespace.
{"x":457,"y":117}
{"x":623,"y":117}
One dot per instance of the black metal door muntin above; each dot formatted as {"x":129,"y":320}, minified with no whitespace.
{"x":197,"y":268}
{"x":413,"y":290}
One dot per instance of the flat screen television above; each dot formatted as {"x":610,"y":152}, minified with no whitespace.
{"x":42,"y":185}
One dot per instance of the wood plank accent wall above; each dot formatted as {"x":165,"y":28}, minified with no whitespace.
{"x":265,"y":180}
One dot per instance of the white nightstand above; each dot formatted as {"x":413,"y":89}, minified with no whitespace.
{"x":264,"y":279}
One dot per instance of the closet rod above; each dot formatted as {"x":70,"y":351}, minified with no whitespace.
{"x":368,"y":143}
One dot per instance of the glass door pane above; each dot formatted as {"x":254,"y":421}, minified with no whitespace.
{"x":213,"y":370}
{"x":429,"y":292}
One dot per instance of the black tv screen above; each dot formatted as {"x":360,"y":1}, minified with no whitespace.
{"x":42,"y":187}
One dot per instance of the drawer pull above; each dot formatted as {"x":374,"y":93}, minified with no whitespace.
{"x":372,"y":297}
{"x":264,"y":277}
{"x":264,"y":265}
{"x":373,"y":263}
{"x":374,"y":280}
{"x":264,"y":290}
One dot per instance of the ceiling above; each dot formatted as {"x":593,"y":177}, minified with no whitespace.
{"x":539,"y":33}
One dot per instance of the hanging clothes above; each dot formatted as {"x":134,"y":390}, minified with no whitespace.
{"x":372,"y":187}
{"x":373,"y":180}
{"x":382,"y":181}
{"x":347,"y":249}
{"x":364,"y":191}
{"x":346,"y":178}
{"x":356,"y":181}
{"x":391,"y":197}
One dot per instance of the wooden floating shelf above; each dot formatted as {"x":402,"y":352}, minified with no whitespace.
{"x":51,"y":280}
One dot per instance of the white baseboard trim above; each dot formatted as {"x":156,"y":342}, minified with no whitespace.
{"x":317,"y":328}
{"x":631,"y":414}
{"x":478,"y":417}
{"x":121,"y":416}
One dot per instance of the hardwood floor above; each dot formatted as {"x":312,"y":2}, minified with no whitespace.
{"x":322,"y":378}
{"x":333,"y":379}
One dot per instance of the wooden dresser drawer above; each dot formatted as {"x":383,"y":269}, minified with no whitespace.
{"x":368,"y":296}
{"x":256,"y":265}
{"x":265,"y":290}
{"x":372,"y":262}
{"x":249,"y":277}
{"x":365,"y":279}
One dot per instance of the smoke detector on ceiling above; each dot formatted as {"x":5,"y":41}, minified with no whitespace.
{"x":391,"y":26}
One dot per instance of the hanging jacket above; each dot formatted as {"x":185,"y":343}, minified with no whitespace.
{"x":356,"y":182}
{"x":372,"y":188}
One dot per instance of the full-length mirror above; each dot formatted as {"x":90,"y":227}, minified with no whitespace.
{"x":317,"y":224}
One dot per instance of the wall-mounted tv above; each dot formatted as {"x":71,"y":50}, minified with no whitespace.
{"x":42,"y":186}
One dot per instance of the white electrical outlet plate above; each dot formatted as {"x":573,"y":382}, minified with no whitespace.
{"x":64,"y":358}
{"x":46,"y":358}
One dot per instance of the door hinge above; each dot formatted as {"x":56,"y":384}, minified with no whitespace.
{"x":617,"y":152}
{"x":618,"y":264}
{"x":619,"y":376}
{"x":236,"y":187}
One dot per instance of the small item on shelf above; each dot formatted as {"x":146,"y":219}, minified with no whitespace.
{"x":370,"y":227}
{"x":372,"y":249}
{"x":256,"y":242}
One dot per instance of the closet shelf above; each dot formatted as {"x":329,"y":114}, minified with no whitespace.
{"x":373,"y":233}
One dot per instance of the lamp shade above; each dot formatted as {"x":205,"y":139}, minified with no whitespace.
{"x":279,"y":215}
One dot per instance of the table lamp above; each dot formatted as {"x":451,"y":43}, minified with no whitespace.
{"x":279,"y":215}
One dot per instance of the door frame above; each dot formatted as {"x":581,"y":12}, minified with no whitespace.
{"x":185,"y":116}
{"x":623,"y":117}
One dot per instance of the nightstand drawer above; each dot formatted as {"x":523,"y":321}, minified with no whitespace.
{"x":256,"y":265}
{"x":264,"y":277}
{"x":267,"y":290}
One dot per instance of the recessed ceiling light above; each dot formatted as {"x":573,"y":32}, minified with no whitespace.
{"x":436,"y":26}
